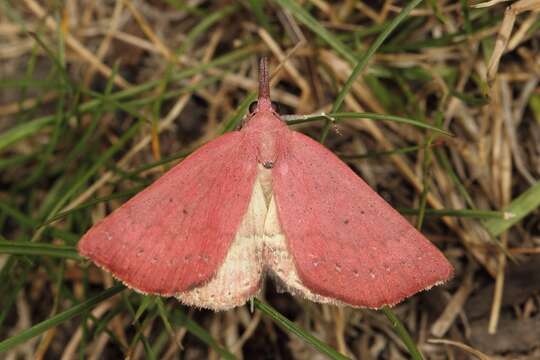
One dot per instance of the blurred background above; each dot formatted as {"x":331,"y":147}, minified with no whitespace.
{"x":99,"y":98}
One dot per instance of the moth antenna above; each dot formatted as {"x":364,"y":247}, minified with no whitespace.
{"x":264,"y":84}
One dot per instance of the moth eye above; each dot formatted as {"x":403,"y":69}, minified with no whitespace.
{"x":275,"y":106}
{"x":252,"y":106}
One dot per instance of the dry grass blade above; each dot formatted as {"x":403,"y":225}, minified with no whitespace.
{"x":476,"y":353}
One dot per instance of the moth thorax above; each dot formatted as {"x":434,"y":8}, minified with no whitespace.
{"x":267,"y":149}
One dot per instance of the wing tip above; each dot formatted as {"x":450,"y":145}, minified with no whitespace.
{"x":374,"y":299}
{"x":445,"y":275}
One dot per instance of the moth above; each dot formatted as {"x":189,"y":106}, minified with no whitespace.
{"x":264,"y":200}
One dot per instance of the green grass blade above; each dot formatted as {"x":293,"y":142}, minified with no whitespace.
{"x":257,"y":8}
{"x":465,"y":213}
{"x":141,"y":327}
{"x":43,"y":326}
{"x":291,"y":327}
{"x":164,"y":314}
{"x":298,"y":119}
{"x":148,"y":302}
{"x":118,"y":195}
{"x":403,"y":334}
{"x":303,"y":16}
{"x":203,"y":25}
{"x":38,"y":249}
{"x":236,"y":117}
{"x":29,"y":128}
{"x":203,"y":335}
{"x":131,"y":132}
{"x":520,"y":207}
{"x":23,"y":130}
{"x":362,"y":63}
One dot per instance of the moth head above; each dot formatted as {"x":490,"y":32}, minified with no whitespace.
{"x":253,"y":107}
{"x":263,"y":105}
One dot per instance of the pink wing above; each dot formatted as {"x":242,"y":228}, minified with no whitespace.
{"x":347,"y":242}
{"x":175,"y":234}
